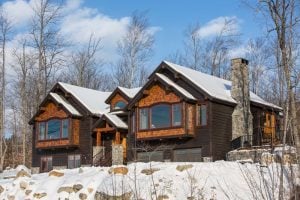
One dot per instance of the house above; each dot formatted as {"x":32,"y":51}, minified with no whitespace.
{"x":62,"y":127}
{"x":179,"y":115}
{"x":184,"y":115}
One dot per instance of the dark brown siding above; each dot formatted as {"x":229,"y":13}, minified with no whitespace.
{"x":221,"y":130}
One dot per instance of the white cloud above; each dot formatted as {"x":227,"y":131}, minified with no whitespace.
{"x":218,"y":25}
{"x":18,"y":11}
{"x":238,"y":52}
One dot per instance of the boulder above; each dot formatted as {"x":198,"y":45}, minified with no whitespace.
{"x":1,"y":189}
{"x":22,"y":173}
{"x":65,"y":189}
{"x":77,"y":187}
{"x":10,"y":197}
{"x":149,"y":171}
{"x":82,"y":196}
{"x":90,"y":190}
{"x":56,"y":173}
{"x":23,"y":185}
{"x":39,"y":195}
{"x":101,"y":196}
{"x":28,"y":192}
{"x":182,"y":168}
{"x":118,"y":170}
{"x":163,"y":197}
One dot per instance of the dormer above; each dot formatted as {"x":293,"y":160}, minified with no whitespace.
{"x":120,"y":97}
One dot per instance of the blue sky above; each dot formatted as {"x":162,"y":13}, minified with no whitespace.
{"x":173,"y":17}
{"x":108,"y":20}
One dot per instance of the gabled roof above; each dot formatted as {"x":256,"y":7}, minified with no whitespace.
{"x":92,"y":100}
{"x":127,"y":93}
{"x":175,"y":86}
{"x":62,"y":101}
{"x":116,"y":121}
{"x":213,"y":86}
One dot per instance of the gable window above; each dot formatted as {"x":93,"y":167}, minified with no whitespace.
{"x":202,"y":115}
{"x":46,"y":163}
{"x":144,"y":118}
{"x":120,"y":105}
{"x":160,"y":116}
{"x":53,"y":129}
{"x":73,"y":161}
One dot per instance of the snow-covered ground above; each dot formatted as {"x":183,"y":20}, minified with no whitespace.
{"x":215,"y":180}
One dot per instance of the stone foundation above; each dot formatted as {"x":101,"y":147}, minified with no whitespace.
{"x":98,"y":152}
{"x":35,"y":170}
{"x":117,"y":155}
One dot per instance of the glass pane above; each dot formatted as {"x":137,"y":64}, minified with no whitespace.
{"x":77,"y":161}
{"x":144,"y":118}
{"x":71,"y":162}
{"x":65,"y":128}
{"x":49,"y":163}
{"x":120,"y":105}
{"x":42,"y":130}
{"x":176,"y":114}
{"x":203,"y":115}
{"x":53,"y":129}
{"x":160,"y":116}
{"x":43,"y":164}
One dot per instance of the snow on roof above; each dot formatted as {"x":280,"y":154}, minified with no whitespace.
{"x":61,"y":100}
{"x":130,"y":92}
{"x":119,"y":123}
{"x":174,"y":85}
{"x":214,"y":86}
{"x":93,"y":100}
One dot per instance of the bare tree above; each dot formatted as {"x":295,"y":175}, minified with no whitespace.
{"x":193,"y":47}
{"x":48,"y":43}
{"x":259,"y":54}
{"x":86,"y":67}
{"x":135,"y":50}
{"x":23,"y":67}
{"x":5,"y":30}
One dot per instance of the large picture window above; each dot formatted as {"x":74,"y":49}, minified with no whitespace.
{"x":160,"y":116}
{"x":120,"y":105}
{"x":202,"y":115}
{"x":53,"y":129}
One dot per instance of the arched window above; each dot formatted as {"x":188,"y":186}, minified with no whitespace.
{"x":120,"y":105}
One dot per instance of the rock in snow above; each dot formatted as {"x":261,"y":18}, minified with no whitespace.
{"x":155,"y":180}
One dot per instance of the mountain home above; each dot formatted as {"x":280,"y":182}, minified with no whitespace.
{"x":179,"y":115}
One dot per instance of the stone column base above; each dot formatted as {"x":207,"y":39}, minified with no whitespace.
{"x":117,"y":154}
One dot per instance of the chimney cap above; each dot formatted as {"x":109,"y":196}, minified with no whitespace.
{"x":240,"y":60}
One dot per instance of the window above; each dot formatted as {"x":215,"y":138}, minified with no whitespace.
{"x":176,"y":114}
{"x":202,"y":115}
{"x":160,"y":116}
{"x":144,"y":118}
{"x":53,"y":129}
{"x":120,"y":105}
{"x":46,"y":163}
{"x":73,"y":161}
{"x":65,"y":128}
{"x":42,"y":130}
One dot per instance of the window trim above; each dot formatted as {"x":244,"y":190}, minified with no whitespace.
{"x":198,"y":122}
{"x":171,"y":116}
{"x":46,"y":129}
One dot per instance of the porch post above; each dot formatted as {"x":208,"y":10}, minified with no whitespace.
{"x":118,"y":138}
{"x":98,"y":139}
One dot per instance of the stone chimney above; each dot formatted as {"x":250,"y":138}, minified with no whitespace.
{"x":242,"y":120}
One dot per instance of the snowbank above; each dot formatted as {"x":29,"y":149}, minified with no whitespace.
{"x":216,"y":180}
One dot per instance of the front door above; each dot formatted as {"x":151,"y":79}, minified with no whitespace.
{"x":107,"y":143}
